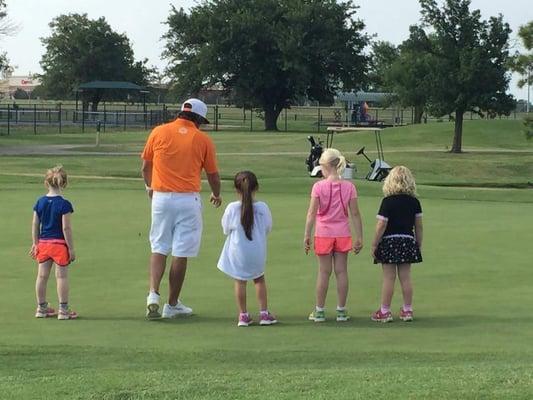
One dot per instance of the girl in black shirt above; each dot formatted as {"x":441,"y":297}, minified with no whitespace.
{"x":398,"y":240}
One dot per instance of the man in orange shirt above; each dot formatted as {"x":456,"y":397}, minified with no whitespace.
{"x":173,"y":158}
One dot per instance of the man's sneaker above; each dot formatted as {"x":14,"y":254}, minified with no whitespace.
{"x":342,"y":316}
{"x":152,"y":306}
{"x":66,"y":313}
{"x":178,"y":310}
{"x":378,"y":316}
{"x":267,"y":319}
{"x":406,"y":316}
{"x":45,"y":312}
{"x":245,"y":320}
{"x":317,"y":316}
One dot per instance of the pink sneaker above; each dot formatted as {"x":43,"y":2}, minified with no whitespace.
{"x":378,"y":316}
{"x":66,"y":314}
{"x":406,"y":316}
{"x":267,"y":319}
{"x":45,"y":312}
{"x":245,"y":320}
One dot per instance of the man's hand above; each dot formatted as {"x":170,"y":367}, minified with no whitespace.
{"x":215,"y":200}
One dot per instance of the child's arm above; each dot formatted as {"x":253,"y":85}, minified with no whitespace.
{"x":419,"y":230}
{"x":380,"y":229}
{"x":311,"y":216}
{"x":357,"y":225}
{"x":67,"y":232}
{"x":35,"y":225}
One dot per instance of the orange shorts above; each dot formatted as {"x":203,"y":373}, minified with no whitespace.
{"x":328,"y":245}
{"x":53,"y":249}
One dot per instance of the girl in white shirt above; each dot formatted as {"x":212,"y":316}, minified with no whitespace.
{"x":246,"y":223}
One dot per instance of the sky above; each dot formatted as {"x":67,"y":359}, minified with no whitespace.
{"x":142,"y":21}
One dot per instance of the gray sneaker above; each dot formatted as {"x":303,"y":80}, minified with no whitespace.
{"x":152,"y":306}
{"x":178,"y":310}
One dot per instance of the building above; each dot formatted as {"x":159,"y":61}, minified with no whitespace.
{"x":9,"y":84}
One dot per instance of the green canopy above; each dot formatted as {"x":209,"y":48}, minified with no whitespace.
{"x":110,"y":85}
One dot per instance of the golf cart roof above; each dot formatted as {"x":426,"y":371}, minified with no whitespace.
{"x":352,"y":129}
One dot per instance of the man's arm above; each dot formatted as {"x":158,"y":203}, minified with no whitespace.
{"x":214,"y":182}
{"x":147,"y":176}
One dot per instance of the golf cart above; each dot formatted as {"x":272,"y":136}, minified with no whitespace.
{"x":379,"y":169}
{"x":313,"y":167}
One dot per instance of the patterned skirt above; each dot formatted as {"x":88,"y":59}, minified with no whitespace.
{"x":398,"y":249}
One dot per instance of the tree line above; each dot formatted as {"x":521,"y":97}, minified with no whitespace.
{"x":268,"y":54}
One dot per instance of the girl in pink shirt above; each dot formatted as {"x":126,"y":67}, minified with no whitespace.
{"x":333,"y":200}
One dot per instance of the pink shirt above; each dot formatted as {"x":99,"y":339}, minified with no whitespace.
{"x":332,"y":219}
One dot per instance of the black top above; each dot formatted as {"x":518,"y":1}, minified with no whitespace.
{"x":400,"y":211}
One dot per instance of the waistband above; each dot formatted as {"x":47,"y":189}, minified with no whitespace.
{"x":399,"y":235}
{"x":176,"y":194}
{"x":53,"y":241}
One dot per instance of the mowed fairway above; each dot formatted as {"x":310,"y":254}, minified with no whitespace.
{"x":473,"y":330}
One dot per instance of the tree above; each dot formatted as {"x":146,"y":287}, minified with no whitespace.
{"x":81,"y":50}
{"x":382,"y":57}
{"x":408,"y":75}
{"x":6,"y":28}
{"x":267,"y":53}
{"x":468,"y":62}
{"x":523,"y":63}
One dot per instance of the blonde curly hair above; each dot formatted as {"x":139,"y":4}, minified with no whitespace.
{"x":56,"y":177}
{"x":399,"y":181}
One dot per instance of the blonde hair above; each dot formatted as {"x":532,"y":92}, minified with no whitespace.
{"x":56,"y":178}
{"x":334,"y":158}
{"x":399,"y":181}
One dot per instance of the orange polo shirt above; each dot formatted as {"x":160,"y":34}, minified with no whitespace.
{"x":179,"y":151}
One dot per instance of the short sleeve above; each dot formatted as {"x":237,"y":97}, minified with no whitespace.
{"x":418,"y":208}
{"x":228,"y":218}
{"x":148,"y":152}
{"x":36,"y":207}
{"x":268,"y":217}
{"x":384,"y":210}
{"x":210,"y":161}
{"x":353,"y":192}
{"x":67,"y":208}
{"x":315,"y":191}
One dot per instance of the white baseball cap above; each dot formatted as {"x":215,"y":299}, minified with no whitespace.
{"x":196,"y":106}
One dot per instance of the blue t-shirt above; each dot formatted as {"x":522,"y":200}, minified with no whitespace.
{"x":50,"y":210}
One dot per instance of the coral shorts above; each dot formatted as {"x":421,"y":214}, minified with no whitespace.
{"x":328,"y":245}
{"x":53,"y":249}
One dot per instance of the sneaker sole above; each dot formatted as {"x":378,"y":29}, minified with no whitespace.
{"x":343,"y":319}
{"x":266,"y":323}
{"x":407,"y":319}
{"x":153,"y":311}
{"x":65,"y":318}
{"x":383,"y":321}
{"x":318,"y":319}
{"x":243,"y":324}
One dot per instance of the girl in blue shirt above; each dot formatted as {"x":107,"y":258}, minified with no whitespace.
{"x":52,"y":243}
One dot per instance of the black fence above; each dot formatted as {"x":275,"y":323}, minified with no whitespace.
{"x":64,"y":118}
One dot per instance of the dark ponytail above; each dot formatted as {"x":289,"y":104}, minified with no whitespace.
{"x":246,"y":183}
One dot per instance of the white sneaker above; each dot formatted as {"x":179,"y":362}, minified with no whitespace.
{"x":178,"y":310}
{"x":152,"y":306}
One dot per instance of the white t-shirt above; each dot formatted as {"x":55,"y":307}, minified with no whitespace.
{"x":242,"y":258}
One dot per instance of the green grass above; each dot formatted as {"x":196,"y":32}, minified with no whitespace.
{"x":471,"y":338}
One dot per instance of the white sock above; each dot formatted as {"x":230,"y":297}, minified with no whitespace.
{"x":317,"y":308}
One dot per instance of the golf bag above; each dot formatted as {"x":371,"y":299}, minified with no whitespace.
{"x":313,"y":166}
{"x":379,"y":169}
